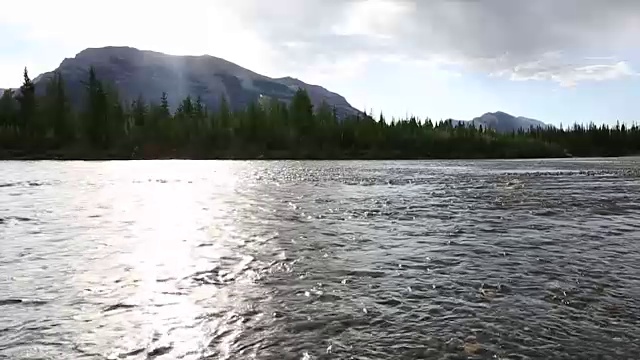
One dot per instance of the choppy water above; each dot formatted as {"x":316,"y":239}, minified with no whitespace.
{"x":320,"y":260}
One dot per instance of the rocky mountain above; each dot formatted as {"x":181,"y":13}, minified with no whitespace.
{"x":503,"y":122}
{"x":136,"y":72}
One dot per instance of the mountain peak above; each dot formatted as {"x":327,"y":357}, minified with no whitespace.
{"x":111,"y":49}
{"x":135,"y":72}
{"x":500,"y":113}
{"x":503,"y":122}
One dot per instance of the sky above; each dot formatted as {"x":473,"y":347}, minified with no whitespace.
{"x":559,"y":61}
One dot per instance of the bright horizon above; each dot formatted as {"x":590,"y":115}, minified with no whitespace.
{"x":574,"y":61}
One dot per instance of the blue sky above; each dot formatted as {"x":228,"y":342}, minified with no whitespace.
{"x":557,"y":61}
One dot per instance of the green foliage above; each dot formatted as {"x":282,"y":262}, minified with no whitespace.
{"x":268,"y":128}
{"x":8,"y":110}
{"x":96,"y":112}
{"x":57,"y":110}
{"x":26,"y":98}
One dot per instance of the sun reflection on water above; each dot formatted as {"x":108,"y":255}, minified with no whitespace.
{"x":176,"y":225}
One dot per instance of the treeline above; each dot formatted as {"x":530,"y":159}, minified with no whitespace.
{"x":48,"y":126}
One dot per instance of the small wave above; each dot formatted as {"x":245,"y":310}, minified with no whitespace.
{"x":196,"y":274}
{"x":118,"y":306}
{"x":24,"y":184}
{"x":159,"y":351}
{"x":7,"y":302}
{"x":8,"y":219}
{"x":133,"y":353}
{"x":362,"y":273}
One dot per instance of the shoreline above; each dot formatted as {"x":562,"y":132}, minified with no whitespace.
{"x":17,"y":155}
{"x":84,"y":154}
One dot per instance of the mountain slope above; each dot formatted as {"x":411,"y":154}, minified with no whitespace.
{"x":135,"y":72}
{"x":503,"y":122}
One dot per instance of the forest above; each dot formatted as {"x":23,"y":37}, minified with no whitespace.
{"x":105,"y":127}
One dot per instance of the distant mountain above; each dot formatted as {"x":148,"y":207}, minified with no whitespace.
{"x":503,"y":122}
{"x":135,"y":72}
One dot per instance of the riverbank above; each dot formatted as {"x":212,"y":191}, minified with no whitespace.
{"x":80,"y":154}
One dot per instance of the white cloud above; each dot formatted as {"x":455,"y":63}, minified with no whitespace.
{"x":492,"y":36}
{"x":558,"y":68}
{"x":571,"y":77}
{"x":376,"y":18}
{"x":510,"y":38}
{"x":65,"y":27}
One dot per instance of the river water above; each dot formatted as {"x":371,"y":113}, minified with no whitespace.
{"x":320,"y":260}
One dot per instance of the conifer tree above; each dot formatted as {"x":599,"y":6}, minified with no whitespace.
{"x":57,"y":109}
{"x":301,"y":107}
{"x":164,"y":105}
{"x":26,"y":98}
{"x":139,"y":109}
{"x":8,"y":110}
{"x":96,"y":111}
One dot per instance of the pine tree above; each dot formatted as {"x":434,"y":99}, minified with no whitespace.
{"x":301,"y":106}
{"x":27,"y":103}
{"x":8,"y":110}
{"x":159,"y":116}
{"x":185,"y":109}
{"x":58,"y":109}
{"x":198,"y":108}
{"x":96,"y":112}
{"x":324,"y":114}
{"x":139,"y":109}
{"x":224,"y":113}
{"x":301,"y":111}
{"x":164,"y":105}
{"x":115,"y":119}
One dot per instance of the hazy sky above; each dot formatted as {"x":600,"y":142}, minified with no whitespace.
{"x":555,"y":60}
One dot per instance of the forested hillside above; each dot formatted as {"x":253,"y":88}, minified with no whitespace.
{"x":104,"y":127}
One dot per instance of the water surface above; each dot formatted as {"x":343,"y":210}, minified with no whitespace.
{"x":320,"y":260}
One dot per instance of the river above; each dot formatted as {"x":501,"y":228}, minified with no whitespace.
{"x":535,"y":259}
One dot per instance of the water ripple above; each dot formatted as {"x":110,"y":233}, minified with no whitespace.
{"x":320,"y":260}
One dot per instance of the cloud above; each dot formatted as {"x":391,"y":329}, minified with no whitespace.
{"x":550,"y":67}
{"x":566,"y":41}
{"x":63,"y":28}
{"x":510,"y":38}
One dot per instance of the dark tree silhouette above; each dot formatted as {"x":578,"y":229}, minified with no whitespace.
{"x":269,"y":128}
